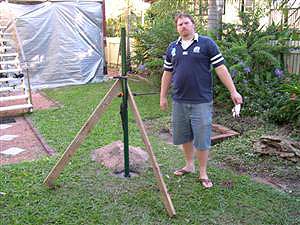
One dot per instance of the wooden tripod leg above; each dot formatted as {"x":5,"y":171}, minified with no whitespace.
{"x":84,"y":131}
{"x":162,"y":186}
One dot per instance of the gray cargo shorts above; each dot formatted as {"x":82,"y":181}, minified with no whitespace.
{"x":192,"y":122}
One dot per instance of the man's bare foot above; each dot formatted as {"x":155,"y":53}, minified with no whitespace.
{"x":183,"y":171}
{"x":206,"y":183}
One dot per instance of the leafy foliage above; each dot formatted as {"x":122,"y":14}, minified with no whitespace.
{"x":150,"y":45}
{"x":288,"y":107}
{"x":254,"y":55}
{"x":254,"y":59}
{"x":113,"y":26}
{"x":152,"y":39}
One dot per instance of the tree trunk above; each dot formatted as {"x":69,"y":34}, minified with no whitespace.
{"x":215,"y":11}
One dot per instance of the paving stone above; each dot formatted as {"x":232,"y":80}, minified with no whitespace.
{"x":13,"y":151}
{"x":8,"y":137}
{"x":29,"y":140}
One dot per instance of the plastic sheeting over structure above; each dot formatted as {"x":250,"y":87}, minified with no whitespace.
{"x":61,"y":42}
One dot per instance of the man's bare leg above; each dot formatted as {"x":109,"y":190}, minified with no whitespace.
{"x":188,"y":151}
{"x":202,"y":156}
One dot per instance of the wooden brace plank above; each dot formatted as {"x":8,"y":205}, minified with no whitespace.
{"x":84,"y":131}
{"x":162,"y":186}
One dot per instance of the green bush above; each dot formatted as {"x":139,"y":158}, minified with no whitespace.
{"x":255,"y":62}
{"x":152,"y":39}
{"x":287,"y":109}
{"x":113,"y":25}
{"x":150,"y":45}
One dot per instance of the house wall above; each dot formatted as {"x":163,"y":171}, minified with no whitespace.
{"x":233,"y":7}
{"x":231,"y":13}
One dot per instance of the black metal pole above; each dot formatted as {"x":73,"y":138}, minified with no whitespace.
{"x":124,"y":106}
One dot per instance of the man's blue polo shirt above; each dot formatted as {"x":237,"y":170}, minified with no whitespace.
{"x":191,"y":69}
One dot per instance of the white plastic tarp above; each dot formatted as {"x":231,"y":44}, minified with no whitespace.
{"x":61,"y":42}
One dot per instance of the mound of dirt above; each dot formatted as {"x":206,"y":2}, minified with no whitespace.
{"x":112,"y":157}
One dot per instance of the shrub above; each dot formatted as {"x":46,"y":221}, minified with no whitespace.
{"x":150,"y":45}
{"x":254,"y":62}
{"x":287,"y":108}
{"x":152,"y":39}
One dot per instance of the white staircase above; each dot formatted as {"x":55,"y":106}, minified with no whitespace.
{"x":14,"y":84}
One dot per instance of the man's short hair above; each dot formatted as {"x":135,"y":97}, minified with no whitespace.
{"x":183,"y":15}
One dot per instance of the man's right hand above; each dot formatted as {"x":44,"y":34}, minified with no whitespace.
{"x":163,"y":103}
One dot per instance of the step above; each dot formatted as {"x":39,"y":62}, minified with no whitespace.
{"x":3,"y":89}
{"x":5,"y":40}
{"x":9,"y":62}
{"x":10,"y":71}
{"x":6,"y":79}
{"x":5,"y":34}
{"x":4,"y":20}
{"x":8,"y":54}
{"x":15,"y":107}
{"x":13,"y":97}
{"x":5,"y":47}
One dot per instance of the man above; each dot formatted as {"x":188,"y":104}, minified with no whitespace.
{"x":188,"y":66}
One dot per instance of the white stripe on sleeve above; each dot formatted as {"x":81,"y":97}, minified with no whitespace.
{"x":217,"y":56}
{"x":168,"y":67}
{"x":167,"y":63}
{"x":219,"y":60}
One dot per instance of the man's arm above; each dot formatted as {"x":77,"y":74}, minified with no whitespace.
{"x":225,"y":77}
{"x":165,"y":84}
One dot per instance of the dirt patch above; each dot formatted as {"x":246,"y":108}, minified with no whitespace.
{"x":111,"y":72}
{"x":112,"y":157}
{"x":285,"y":180}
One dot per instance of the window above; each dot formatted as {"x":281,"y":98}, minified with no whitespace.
{"x":246,"y":5}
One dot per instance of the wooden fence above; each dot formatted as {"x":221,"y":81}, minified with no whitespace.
{"x":292,"y":59}
{"x":112,"y":51}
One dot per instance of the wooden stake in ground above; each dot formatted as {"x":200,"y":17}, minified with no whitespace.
{"x":88,"y":126}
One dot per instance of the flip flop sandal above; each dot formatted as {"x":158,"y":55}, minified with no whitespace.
{"x":181,"y":172}
{"x":206,"y":183}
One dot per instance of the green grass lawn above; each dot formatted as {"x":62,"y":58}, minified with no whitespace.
{"x":87,"y":193}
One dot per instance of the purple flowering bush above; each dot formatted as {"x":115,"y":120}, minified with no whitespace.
{"x":278,"y":72}
{"x":256,"y":67}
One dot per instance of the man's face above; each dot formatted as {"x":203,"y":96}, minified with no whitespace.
{"x":185,"y":27}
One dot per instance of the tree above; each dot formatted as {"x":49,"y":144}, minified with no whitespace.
{"x":214,"y":21}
